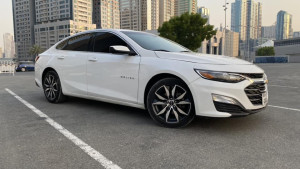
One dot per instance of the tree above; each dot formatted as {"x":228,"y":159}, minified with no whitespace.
{"x":35,"y":50}
{"x":265,"y":51}
{"x":189,"y":30}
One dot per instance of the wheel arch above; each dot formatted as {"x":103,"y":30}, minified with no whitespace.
{"x":47,"y":70}
{"x":155,"y":79}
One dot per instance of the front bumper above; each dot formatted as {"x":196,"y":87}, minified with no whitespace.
{"x":202,"y":91}
{"x":235,"y":110}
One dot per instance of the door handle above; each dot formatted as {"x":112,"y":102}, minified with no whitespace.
{"x":93,"y":59}
{"x":60,"y":57}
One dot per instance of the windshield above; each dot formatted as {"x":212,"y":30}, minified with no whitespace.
{"x":154,"y":42}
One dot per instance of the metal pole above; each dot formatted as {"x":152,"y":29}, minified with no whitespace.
{"x":225,"y":27}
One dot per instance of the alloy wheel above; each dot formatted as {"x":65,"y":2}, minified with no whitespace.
{"x":51,"y":87}
{"x":171,"y":104}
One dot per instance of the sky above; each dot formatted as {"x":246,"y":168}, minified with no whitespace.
{"x":270,"y":10}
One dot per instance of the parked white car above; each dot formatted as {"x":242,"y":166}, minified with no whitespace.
{"x":146,"y":71}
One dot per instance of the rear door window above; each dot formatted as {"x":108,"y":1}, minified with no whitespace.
{"x":77,"y":43}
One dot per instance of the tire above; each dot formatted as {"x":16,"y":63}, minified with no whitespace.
{"x":52,"y":88}
{"x":23,"y":69}
{"x":170,"y":103}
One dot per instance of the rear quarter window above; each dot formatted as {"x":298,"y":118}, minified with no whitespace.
{"x":62,"y":45}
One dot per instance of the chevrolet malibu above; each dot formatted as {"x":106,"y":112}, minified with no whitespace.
{"x":146,"y":71}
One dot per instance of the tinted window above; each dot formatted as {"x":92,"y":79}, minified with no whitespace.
{"x":78,"y":43}
{"x":104,"y":40}
{"x":153,"y":42}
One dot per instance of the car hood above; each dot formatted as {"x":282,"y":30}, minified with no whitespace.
{"x":202,"y":58}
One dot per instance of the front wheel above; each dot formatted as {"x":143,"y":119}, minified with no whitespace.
{"x":170,"y":103}
{"x":52,"y":88}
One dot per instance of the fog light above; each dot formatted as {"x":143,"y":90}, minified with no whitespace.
{"x":224,"y":99}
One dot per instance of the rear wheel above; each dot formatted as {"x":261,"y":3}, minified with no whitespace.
{"x":52,"y":88}
{"x":170,"y":103}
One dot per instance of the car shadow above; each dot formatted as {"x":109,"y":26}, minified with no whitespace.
{"x":199,"y":123}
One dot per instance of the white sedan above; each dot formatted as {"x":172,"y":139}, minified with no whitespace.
{"x":146,"y":71}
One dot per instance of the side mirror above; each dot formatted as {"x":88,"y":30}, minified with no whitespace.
{"x":118,"y":49}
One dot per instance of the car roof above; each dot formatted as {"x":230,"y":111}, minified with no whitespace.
{"x":97,"y":30}
{"x":105,"y":30}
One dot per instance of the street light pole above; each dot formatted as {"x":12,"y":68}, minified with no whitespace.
{"x":225,"y":9}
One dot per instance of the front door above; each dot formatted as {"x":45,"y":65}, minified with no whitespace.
{"x":112,"y":76}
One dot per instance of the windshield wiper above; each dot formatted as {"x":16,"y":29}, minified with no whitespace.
{"x":161,"y":50}
{"x":185,"y":51}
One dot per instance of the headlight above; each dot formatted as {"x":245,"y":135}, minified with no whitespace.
{"x":220,"y":76}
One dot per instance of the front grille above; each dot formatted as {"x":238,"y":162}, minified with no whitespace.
{"x":253,"y":75}
{"x":255,"y":93}
{"x":229,"y":108}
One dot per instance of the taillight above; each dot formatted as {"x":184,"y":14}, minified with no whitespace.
{"x":37,"y":58}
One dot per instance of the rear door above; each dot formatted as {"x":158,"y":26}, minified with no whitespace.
{"x":112,"y":76}
{"x":71,"y":62}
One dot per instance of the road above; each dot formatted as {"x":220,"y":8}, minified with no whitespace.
{"x":130,"y":139}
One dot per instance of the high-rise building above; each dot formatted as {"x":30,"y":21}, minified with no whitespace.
{"x":204,"y":12}
{"x":154,"y":14}
{"x":58,"y":19}
{"x":24,"y":19}
{"x":166,"y":10}
{"x":135,"y":14}
{"x":269,"y":32}
{"x":9,"y":45}
{"x":106,"y":14}
{"x":130,"y":14}
{"x":183,"y":6}
{"x":246,"y":18}
{"x":284,"y":28}
{"x":146,"y":15}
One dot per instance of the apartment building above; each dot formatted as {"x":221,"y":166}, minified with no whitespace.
{"x":146,"y":15}
{"x":183,"y":6}
{"x":58,"y":19}
{"x":136,"y":14}
{"x":155,"y":14}
{"x":23,"y":19}
{"x":130,"y":13}
{"x":106,"y":14}
{"x":166,"y":10}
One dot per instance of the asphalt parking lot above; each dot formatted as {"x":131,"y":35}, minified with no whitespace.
{"x":130,"y":139}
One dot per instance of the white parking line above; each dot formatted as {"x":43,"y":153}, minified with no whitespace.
{"x":285,"y":108}
{"x":292,"y":87}
{"x":77,"y":141}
